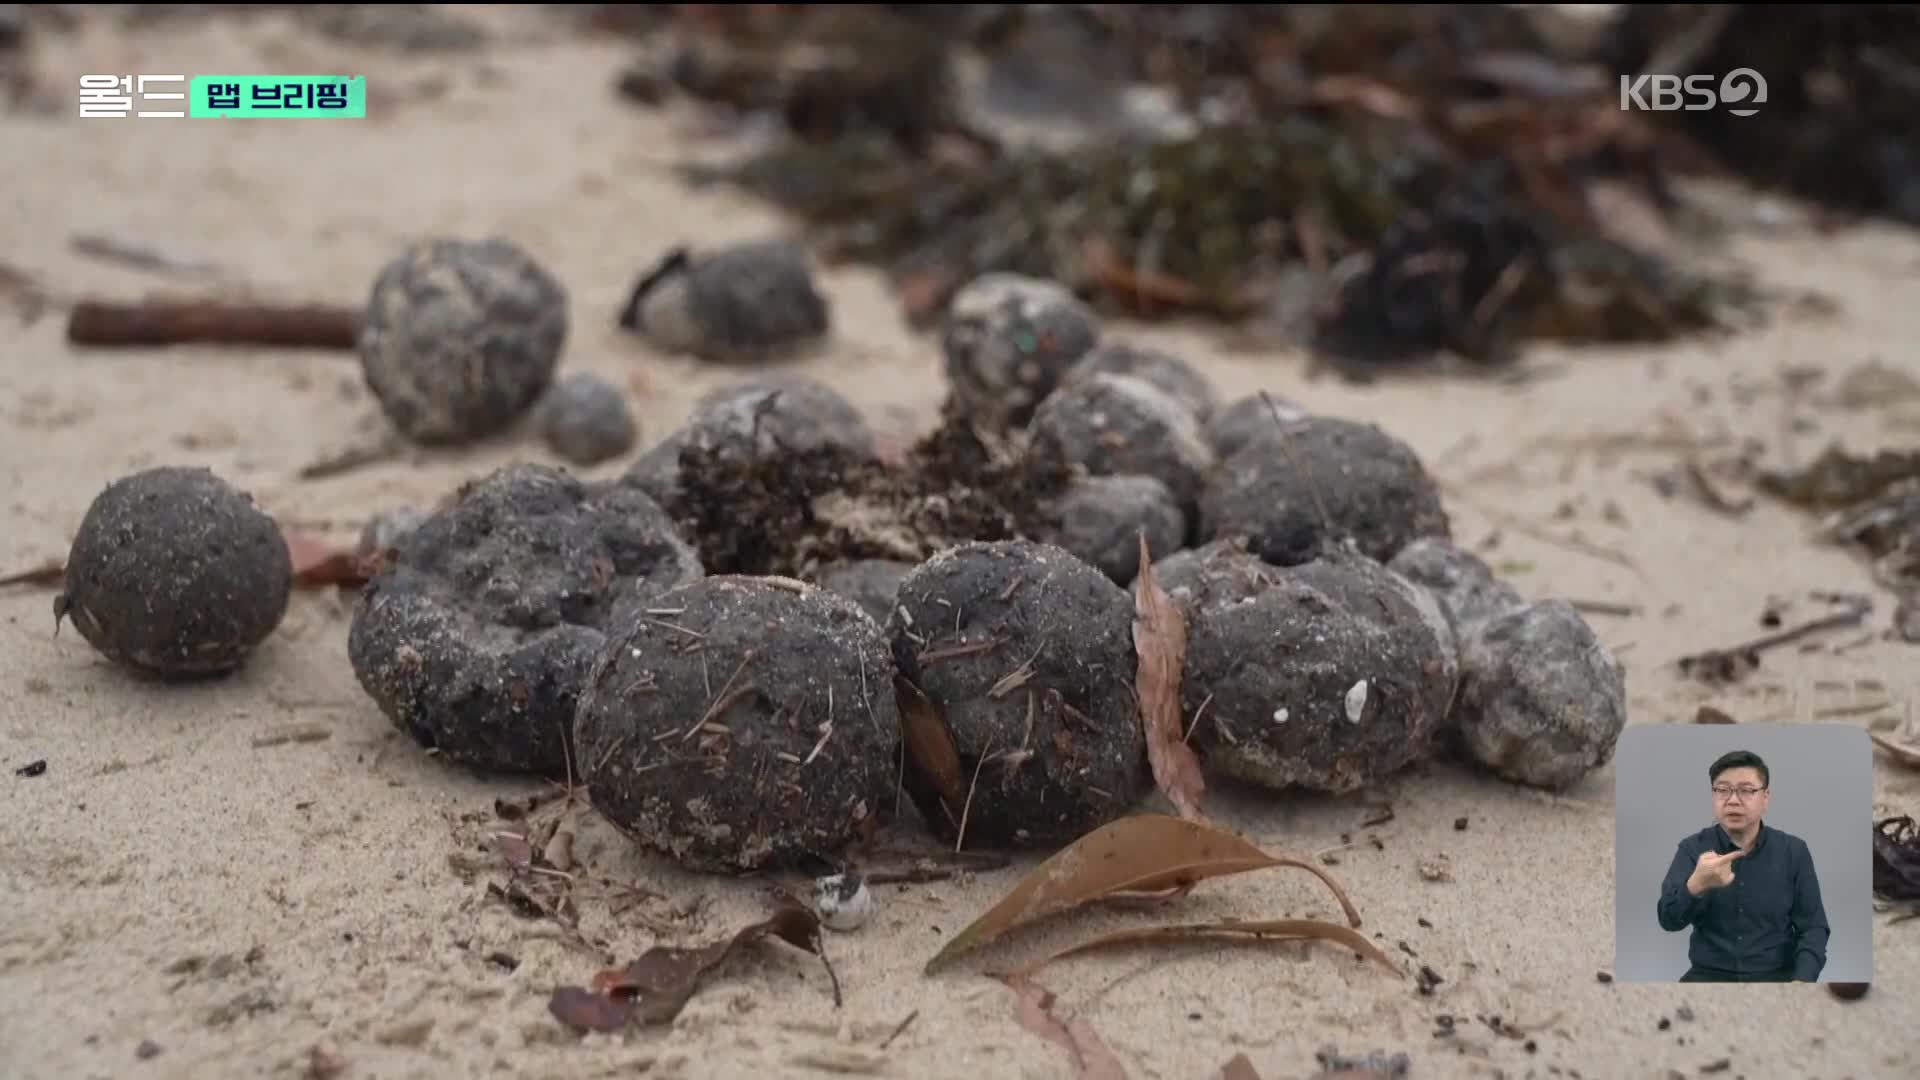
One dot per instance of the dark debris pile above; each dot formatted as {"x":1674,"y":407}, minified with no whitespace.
{"x":1379,"y":182}
{"x":1843,"y":84}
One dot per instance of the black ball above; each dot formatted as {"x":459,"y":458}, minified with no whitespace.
{"x":175,"y":573}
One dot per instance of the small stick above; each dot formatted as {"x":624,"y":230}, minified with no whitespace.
{"x":949,"y":652}
{"x":359,"y":456}
{"x":180,"y":322}
{"x":898,"y":1031}
{"x":51,"y":572}
{"x":1286,"y":447}
{"x":139,"y":255}
{"x":298,"y":733}
{"x":967,"y":807}
{"x":1855,"y":610}
{"x":1853,"y":710}
{"x":728,"y":696}
{"x":1602,"y":607}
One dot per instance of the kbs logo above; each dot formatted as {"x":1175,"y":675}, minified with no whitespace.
{"x":1739,"y":91}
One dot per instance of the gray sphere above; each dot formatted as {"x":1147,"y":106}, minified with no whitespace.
{"x":1123,"y":425}
{"x":1171,"y":374}
{"x":461,"y":338}
{"x":747,"y":303}
{"x":1101,"y":519}
{"x":586,"y":419}
{"x":1009,"y":341}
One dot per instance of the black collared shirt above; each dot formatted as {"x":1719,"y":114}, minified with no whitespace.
{"x":1770,"y":919}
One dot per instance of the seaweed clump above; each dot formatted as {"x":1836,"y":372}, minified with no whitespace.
{"x":800,"y":508}
{"x":1387,"y":185}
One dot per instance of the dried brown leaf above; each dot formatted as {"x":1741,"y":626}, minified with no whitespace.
{"x":319,"y":562}
{"x":1901,"y":752}
{"x":929,"y":745}
{"x":515,"y":848}
{"x":1143,"y":853}
{"x":1092,"y":1060}
{"x":585,"y":1010}
{"x":660,"y":983}
{"x":1231,"y":929}
{"x":1240,"y":1068}
{"x":1160,"y":642}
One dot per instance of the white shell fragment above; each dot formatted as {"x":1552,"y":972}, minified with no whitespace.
{"x":843,"y":901}
{"x":1357,"y":702}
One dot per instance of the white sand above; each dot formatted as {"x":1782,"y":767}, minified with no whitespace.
{"x":160,"y":832}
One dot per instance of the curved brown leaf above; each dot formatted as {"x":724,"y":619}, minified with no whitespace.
{"x":930,"y":747}
{"x":1144,"y":853}
{"x":585,"y":1010}
{"x":1160,"y":642}
{"x":1250,"y":931}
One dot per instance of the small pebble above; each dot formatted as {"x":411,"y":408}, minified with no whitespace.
{"x":1008,"y":341}
{"x":586,"y":419}
{"x":1120,"y":425}
{"x":1230,"y":429}
{"x":461,"y":338}
{"x":843,"y":901}
{"x":1168,"y":373}
{"x":1541,"y":701}
{"x":1101,"y":520}
{"x":874,"y":584}
{"x":753,"y":302}
{"x":1466,"y":586}
{"x":1331,"y":479}
{"x":177,"y":574}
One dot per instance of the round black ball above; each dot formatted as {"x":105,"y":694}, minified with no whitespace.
{"x":175,"y":573}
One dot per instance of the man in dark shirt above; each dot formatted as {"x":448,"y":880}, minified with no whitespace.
{"x":1761,"y":922}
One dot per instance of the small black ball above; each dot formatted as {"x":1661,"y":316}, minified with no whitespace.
{"x":586,"y":419}
{"x":175,"y":573}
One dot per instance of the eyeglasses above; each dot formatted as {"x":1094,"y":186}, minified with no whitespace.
{"x":1723,"y":793}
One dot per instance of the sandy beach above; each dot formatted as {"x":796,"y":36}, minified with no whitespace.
{"x":189,"y":894}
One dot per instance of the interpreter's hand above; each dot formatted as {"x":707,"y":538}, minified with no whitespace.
{"x":1712,"y":871}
